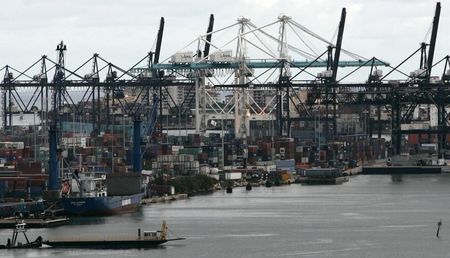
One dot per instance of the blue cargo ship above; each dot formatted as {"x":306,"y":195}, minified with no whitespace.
{"x":86,"y":194}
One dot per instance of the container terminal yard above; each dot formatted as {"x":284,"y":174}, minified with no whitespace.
{"x":273,"y":102}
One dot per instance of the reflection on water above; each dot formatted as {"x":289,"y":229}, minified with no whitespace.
{"x":87,"y":220}
{"x":396,"y":178}
{"x":136,"y":217}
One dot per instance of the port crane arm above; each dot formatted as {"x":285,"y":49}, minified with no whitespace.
{"x":151,"y":121}
{"x":152,"y":117}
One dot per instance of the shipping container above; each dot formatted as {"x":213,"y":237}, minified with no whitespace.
{"x":232,"y":175}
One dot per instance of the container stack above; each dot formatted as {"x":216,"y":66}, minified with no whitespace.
{"x":212,"y":155}
{"x":193,"y":140}
{"x":264,"y":151}
{"x":302,"y":154}
{"x":252,"y":155}
{"x":285,"y":148}
{"x":181,"y":164}
{"x":215,"y":138}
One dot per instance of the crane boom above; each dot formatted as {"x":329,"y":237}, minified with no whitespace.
{"x":152,"y":117}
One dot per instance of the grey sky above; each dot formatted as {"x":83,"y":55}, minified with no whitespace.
{"x":124,"y":31}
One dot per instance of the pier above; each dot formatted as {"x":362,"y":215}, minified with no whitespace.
{"x":34,"y":222}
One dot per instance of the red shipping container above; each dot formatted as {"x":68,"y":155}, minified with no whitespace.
{"x":413,"y":139}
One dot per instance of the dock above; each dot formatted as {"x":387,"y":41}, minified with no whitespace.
{"x":34,"y":222}
{"x":353,"y":171}
{"x":383,"y":170}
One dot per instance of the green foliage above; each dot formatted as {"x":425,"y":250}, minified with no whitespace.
{"x":193,"y":184}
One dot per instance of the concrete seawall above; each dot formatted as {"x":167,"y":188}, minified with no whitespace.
{"x":383,"y":170}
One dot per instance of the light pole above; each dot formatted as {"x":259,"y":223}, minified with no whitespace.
{"x":167,"y":119}
{"x":74,"y":129}
{"x":272,"y":147}
{"x":179,"y":125}
{"x":366,"y":136}
{"x":223,"y":149}
{"x":123,"y":124}
{"x":174,"y":121}
{"x":112,"y":145}
{"x":317,"y":132}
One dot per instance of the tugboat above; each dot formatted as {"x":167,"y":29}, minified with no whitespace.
{"x":12,"y":243}
{"x":148,"y":239}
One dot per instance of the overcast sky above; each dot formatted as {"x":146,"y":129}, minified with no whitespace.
{"x":124,"y":31}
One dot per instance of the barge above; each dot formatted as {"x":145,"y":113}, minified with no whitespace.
{"x":322,"y":176}
{"x":147,"y":240}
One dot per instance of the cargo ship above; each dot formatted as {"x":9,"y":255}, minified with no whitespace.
{"x":86,"y":194}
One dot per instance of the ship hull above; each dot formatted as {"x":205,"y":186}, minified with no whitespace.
{"x":105,"y":244}
{"x":93,"y":206}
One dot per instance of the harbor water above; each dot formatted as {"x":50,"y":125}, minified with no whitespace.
{"x":370,"y":216}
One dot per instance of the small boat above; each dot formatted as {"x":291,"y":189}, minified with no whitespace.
{"x":148,"y":239}
{"x":248,"y":187}
{"x":12,"y":243}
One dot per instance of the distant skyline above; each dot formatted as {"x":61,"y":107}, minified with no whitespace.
{"x":124,"y":31}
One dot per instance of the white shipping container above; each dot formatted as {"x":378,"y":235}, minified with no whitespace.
{"x":325,"y":74}
{"x":222,"y":56}
{"x":204,"y":170}
{"x":215,"y":176}
{"x":233,"y":176}
{"x":430,"y":146}
{"x":182,"y":57}
{"x":433,"y":116}
{"x":415,"y":126}
{"x":83,"y":142}
{"x":435,"y":79}
{"x":418,"y":73}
